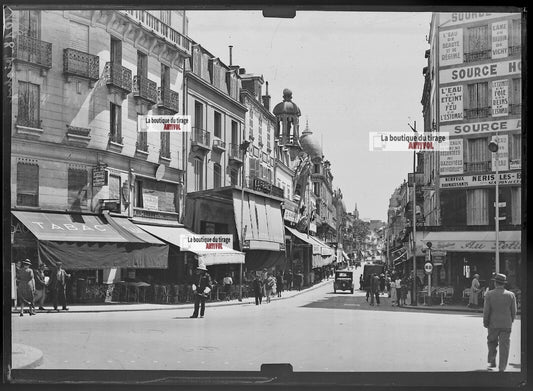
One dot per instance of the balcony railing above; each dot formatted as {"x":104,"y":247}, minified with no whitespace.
{"x":480,"y":112}
{"x":145,"y":89}
{"x":148,"y":20}
{"x":118,"y":76}
{"x":235,"y":153}
{"x":81,"y":64}
{"x":478,"y":166}
{"x":515,"y":109}
{"x":155,"y":214}
{"x":168,"y":99}
{"x":33,"y":51}
{"x":201,"y":138}
{"x":477,"y":56}
{"x":219,"y":144}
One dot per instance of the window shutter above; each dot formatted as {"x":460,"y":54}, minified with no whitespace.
{"x":79,"y":37}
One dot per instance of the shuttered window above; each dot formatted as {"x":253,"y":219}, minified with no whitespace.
{"x":27,"y":184}
{"x":477,"y":150}
{"x":477,"y":207}
{"x":478,"y":39}
{"x":478,"y":95}
{"x":29,"y":105}
{"x":198,"y":174}
{"x":79,"y":37}
{"x":77,"y":188}
{"x":516,"y":205}
{"x":515,"y":147}
{"x":30,"y":23}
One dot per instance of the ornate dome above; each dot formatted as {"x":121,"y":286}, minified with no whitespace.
{"x":311,"y":145}
{"x":287,"y":106}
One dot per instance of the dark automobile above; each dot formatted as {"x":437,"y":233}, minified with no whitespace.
{"x":343,"y":281}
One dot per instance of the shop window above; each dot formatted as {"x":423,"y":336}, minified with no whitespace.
{"x":77,"y":189}
{"x":217,"y":175}
{"x":27,"y":184}
{"x":29,"y":105}
{"x":477,"y":201}
{"x":217,"y":131}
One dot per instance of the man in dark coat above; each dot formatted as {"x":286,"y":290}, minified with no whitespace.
{"x":201,"y":288}
{"x":499,"y":312}
{"x":374,"y":289}
{"x":58,"y":287}
{"x":258,"y":290}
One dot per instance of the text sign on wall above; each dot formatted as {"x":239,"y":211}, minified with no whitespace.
{"x":451,"y":161}
{"x":500,"y":39}
{"x":99,"y":176}
{"x":481,"y":127}
{"x":503,"y":153}
{"x":500,"y":98}
{"x":451,"y":103}
{"x":150,"y":202}
{"x":451,"y":47}
{"x":480,"y":71}
{"x":456,"y":18}
{"x":508,"y":178}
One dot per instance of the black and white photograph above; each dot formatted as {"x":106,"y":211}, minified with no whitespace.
{"x":264,"y":195}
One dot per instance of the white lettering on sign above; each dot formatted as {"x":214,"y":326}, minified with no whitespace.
{"x":503,"y":153}
{"x":481,"y":127}
{"x":500,"y":40}
{"x":70,"y":227}
{"x":481,"y":71}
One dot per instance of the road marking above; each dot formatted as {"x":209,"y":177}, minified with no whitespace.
{"x":155,"y":361}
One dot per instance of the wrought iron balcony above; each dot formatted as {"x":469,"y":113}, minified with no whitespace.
{"x":168,"y":99}
{"x":81,"y":64}
{"x":144,"y":89}
{"x":480,"y":112}
{"x":118,"y":76}
{"x":219,"y":145}
{"x":200,"y":139}
{"x":477,"y":56}
{"x":32,"y":50}
{"x":235,"y":154}
{"x":484,"y":166}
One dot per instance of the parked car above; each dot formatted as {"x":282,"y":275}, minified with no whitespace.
{"x":343,"y":281}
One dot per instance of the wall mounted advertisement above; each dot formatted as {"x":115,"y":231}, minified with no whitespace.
{"x":481,"y":180}
{"x":451,"y":103}
{"x":500,"y":39}
{"x":500,"y":98}
{"x":451,"y":47}
{"x":480,"y":71}
{"x":451,"y":161}
{"x":503,"y":153}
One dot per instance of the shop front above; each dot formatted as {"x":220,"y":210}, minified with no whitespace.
{"x":97,"y":250}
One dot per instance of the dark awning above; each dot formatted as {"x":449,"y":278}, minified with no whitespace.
{"x":93,"y":242}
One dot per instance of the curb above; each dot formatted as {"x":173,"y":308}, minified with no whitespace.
{"x":25,"y":357}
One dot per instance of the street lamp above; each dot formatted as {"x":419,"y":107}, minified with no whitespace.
{"x":413,"y":293}
{"x":493,"y":147}
{"x":244,"y":148}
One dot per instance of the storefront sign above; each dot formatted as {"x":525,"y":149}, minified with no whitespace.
{"x":451,"y":47}
{"x":451,"y":161}
{"x":482,"y":127}
{"x":500,"y":98}
{"x":456,"y":18}
{"x":289,"y":215}
{"x":508,"y":246}
{"x":312,"y":227}
{"x":150,"y":202}
{"x":503,"y":153}
{"x":462,"y":181}
{"x":500,"y":39}
{"x":451,"y":103}
{"x":261,"y":185}
{"x":99,"y":176}
{"x":515,"y":164}
{"x":481,"y":71}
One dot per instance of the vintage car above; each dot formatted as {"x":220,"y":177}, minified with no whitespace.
{"x":343,"y":281}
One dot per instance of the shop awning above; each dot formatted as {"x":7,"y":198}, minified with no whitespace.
{"x":92,"y":242}
{"x":306,"y":239}
{"x":173,"y":235}
{"x":261,"y":221}
{"x":473,"y":241}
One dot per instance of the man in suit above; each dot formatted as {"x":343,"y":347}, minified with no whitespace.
{"x":58,"y":287}
{"x":499,"y":312}
{"x":201,"y":288}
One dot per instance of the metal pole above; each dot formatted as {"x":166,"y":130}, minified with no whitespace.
{"x":429,"y":280}
{"x":242,"y":221}
{"x":413,"y":293}
{"x":497,"y":208}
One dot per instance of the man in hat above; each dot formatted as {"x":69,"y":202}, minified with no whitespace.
{"x":58,"y":286}
{"x":499,"y":312}
{"x":40,"y":286}
{"x":473,"y":301}
{"x":201,"y":288}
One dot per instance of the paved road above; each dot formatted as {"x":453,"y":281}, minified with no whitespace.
{"x":316,"y":331}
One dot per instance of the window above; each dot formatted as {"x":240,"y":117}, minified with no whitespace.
{"x":114,"y":187}
{"x":234,"y":175}
{"x":316,"y":168}
{"x":165,"y":76}
{"x":27,"y":184}
{"x":138,"y":193}
{"x":516,"y":36}
{"x":165,"y":17}
{"x":234,"y":133}
{"x":478,"y":100}
{"x":115,"y":134}
{"x":29,"y":105}
{"x":478,"y":43}
{"x":217,"y":175}
{"x":165,"y":145}
{"x":516,"y":97}
{"x":77,"y":189}
{"x":515,"y":147}
{"x":478,"y":154}
{"x":516,"y":205}
{"x":116,"y":51}
{"x":142,"y":64}
{"x":453,"y":207}
{"x":142,"y":141}
{"x":251,"y":122}
{"x":477,"y":207}
{"x":218,"y":125}
{"x":198,"y":174}
{"x":30,"y":24}
{"x":316,"y":188}
{"x":198,"y":115}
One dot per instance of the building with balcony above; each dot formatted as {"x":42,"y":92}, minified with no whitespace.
{"x":82,"y":80}
{"x":473,"y":91}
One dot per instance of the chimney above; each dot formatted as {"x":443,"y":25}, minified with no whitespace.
{"x":266,"y":98}
{"x":230,"y":55}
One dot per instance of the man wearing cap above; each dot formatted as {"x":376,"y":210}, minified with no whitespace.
{"x":473,"y":301}
{"x":201,"y":289}
{"x":499,"y":313}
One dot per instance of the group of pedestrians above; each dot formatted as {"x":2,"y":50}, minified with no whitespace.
{"x":32,"y":284}
{"x":267,"y":285}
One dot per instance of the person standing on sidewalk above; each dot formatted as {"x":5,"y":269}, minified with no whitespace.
{"x":26,"y":287}
{"x":279,"y":283}
{"x":40,"y":286}
{"x":201,"y":288}
{"x":58,"y":285}
{"x":499,"y":312}
{"x":473,"y":301}
{"x":258,"y":290}
{"x":228,"y":282}
{"x":393,"y":293}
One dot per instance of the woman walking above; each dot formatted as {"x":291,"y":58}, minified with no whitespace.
{"x":279,"y":283}
{"x":270,"y":286}
{"x":393,"y":292}
{"x":26,"y":287}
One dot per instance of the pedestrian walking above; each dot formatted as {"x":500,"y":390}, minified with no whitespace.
{"x":289,"y":278}
{"x":374,"y":289}
{"x":258,"y":290}
{"x":201,"y":288}
{"x":388,"y":282}
{"x":270,"y":286}
{"x":40,"y":286}
{"x":279,"y":283}
{"x":300,"y":280}
{"x":368,"y":285}
{"x":26,"y":288}
{"x":58,"y":287}
{"x":264,"y":277}
{"x":499,"y":312}
{"x":361,"y":282}
{"x":228,"y":282}
{"x":393,"y":293}
{"x":473,"y":301}
{"x":382,"y":283}
{"x":404,"y":287}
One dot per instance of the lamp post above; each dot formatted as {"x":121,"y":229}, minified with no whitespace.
{"x":244,"y":149}
{"x":493,"y":147}
{"x":413,"y":293}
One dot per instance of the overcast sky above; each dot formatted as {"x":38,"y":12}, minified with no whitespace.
{"x":351,"y":73}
